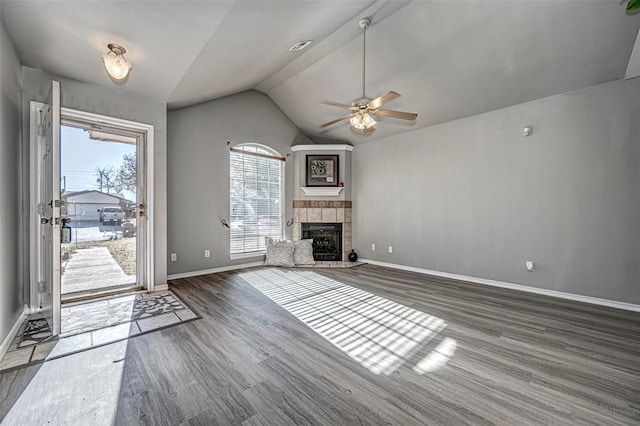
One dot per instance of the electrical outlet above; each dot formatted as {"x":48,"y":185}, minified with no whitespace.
{"x":373,"y":247}
{"x":207,"y":253}
{"x":174,"y":257}
{"x":390,"y":249}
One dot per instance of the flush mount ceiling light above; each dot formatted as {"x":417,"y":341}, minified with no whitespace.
{"x":364,"y":110}
{"x":117,"y":65}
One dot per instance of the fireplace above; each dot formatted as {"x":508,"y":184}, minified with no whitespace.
{"x":324,"y":212}
{"x":327,"y":240}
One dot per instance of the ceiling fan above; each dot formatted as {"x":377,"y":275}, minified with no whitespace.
{"x":365,"y":109}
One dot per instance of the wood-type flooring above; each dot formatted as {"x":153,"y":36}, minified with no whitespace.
{"x":510,"y":358}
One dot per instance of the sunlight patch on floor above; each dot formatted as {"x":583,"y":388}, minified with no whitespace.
{"x":438,"y":357}
{"x":72,"y":389}
{"x":378,"y":333}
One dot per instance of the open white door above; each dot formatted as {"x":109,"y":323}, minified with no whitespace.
{"x":49,"y":208}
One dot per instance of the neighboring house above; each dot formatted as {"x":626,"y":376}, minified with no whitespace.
{"x":86,"y":205}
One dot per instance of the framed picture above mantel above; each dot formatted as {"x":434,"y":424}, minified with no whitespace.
{"x":322,"y":170}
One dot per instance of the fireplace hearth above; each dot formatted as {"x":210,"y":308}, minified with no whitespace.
{"x":327,"y":240}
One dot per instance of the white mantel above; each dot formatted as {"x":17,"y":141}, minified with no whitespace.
{"x":332,"y":147}
{"x":321,"y":191}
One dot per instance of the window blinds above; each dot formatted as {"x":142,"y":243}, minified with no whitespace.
{"x":256,"y":197}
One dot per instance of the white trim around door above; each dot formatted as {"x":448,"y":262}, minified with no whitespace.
{"x":71,"y":115}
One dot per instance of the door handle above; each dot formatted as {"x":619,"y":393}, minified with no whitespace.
{"x":50,"y":221}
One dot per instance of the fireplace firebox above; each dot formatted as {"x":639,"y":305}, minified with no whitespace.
{"x":327,"y":240}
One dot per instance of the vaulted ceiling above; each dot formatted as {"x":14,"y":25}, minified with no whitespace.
{"x":448,"y":59}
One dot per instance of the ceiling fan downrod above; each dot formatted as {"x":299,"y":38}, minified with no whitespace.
{"x":364,"y":24}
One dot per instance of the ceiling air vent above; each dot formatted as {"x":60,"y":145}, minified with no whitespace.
{"x":300,"y":45}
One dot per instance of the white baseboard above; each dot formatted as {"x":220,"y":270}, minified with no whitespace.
{"x":520,"y":287}
{"x":214,"y":270}
{"x":33,"y":310}
{"x":14,"y":330}
{"x":160,"y":287}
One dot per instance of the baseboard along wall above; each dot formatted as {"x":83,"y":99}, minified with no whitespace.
{"x":493,"y":283}
{"x":213,"y":270}
{"x":4,"y":347}
{"x":519,"y":287}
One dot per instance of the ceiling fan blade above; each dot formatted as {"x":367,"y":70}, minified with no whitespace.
{"x":397,"y":114}
{"x":381,"y":100}
{"x":344,"y":117}
{"x":338,"y":104}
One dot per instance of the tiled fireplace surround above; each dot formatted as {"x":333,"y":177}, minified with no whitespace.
{"x":311,"y":211}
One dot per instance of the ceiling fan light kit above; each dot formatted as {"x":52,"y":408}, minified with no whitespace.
{"x":362,"y":121}
{"x":114,"y":61}
{"x":365,"y":109}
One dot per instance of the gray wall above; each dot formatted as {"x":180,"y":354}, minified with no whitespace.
{"x":475,"y":197}
{"x":112,"y":103}
{"x":11,"y":299}
{"x":198,"y":172}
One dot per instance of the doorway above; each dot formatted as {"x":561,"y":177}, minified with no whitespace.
{"x":100,"y":208}
{"x":102,"y":194}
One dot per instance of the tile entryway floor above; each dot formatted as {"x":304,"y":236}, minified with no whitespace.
{"x":331,"y":264}
{"x":86,"y":325}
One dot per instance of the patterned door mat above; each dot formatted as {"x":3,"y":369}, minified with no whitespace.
{"x":96,"y":315}
{"x":35,"y":331}
{"x":92,"y":316}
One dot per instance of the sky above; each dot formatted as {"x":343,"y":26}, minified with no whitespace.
{"x":81,"y":156}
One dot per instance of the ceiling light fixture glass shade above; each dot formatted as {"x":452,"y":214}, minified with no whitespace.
{"x":362,"y":120}
{"x":117,"y":65}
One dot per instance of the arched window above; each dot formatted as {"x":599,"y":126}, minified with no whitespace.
{"x":256,"y":197}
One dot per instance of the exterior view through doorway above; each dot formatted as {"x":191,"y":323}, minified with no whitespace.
{"x":100,"y":209}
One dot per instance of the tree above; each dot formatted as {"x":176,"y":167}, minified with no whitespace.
{"x":127,"y":173}
{"x":107,"y":179}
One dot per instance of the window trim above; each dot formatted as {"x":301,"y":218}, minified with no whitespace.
{"x":273,"y":155}
{"x":257,"y":154}
{"x":247,"y":255}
